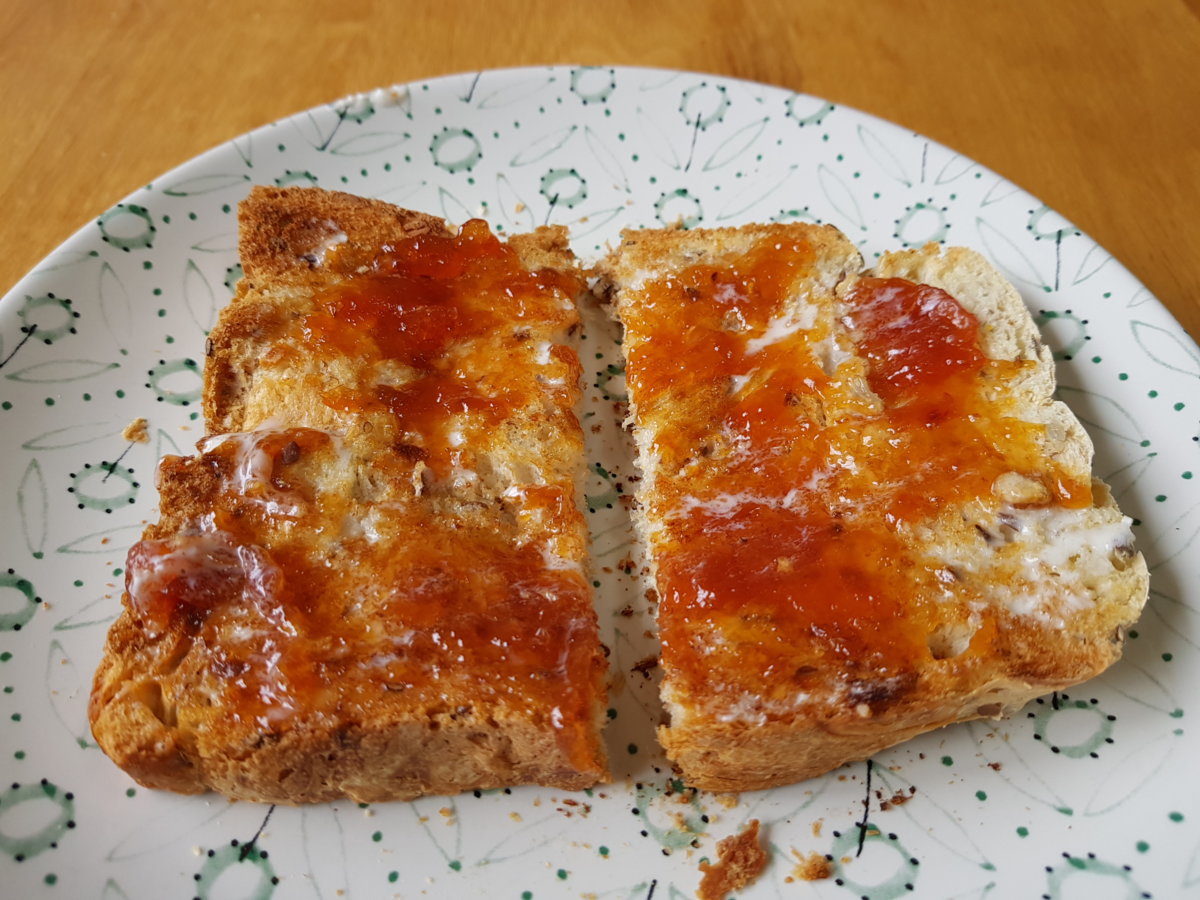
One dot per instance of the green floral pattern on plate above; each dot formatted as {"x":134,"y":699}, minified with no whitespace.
{"x":1092,"y":791}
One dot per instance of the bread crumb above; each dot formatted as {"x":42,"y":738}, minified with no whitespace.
{"x":813,"y":867}
{"x":136,"y":432}
{"x":816,"y":827}
{"x":740,"y":860}
{"x":644,"y":666}
{"x":897,"y":799}
{"x":515,"y":816}
{"x":729,"y":801}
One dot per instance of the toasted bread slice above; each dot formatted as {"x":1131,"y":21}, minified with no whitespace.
{"x":864,"y":513}
{"x":370,"y":581}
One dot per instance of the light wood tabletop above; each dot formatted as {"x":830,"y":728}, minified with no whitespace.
{"x":1091,"y":105}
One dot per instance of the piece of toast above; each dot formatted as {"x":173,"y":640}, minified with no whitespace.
{"x":371,"y":579}
{"x":864,"y":514}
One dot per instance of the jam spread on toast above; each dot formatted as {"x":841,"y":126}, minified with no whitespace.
{"x":802,"y":443}
{"x":339,"y":575}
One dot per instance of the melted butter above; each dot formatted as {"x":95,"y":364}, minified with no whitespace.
{"x":792,"y":476}
{"x":440,"y":309}
{"x":317,"y":552}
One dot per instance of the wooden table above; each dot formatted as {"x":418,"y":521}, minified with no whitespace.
{"x":1093,"y":106}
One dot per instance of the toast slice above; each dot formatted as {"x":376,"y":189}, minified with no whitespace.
{"x":370,"y":581}
{"x":865,"y":515}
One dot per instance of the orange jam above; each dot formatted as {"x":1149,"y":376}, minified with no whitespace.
{"x":799,"y":443}
{"x":324,"y":579}
{"x":448,"y":313}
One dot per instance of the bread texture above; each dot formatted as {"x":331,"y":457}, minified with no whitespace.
{"x":370,"y":581}
{"x":864,"y":513}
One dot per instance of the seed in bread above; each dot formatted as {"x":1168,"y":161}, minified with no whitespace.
{"x":370,"y":580}
{"x":865,"y":514}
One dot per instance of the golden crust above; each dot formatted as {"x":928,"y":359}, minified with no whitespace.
{"x":753,"y":740}
{"x":349,"y":510}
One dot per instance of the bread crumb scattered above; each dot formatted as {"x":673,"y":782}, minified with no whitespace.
{"x":813,"y":867}
{"x":816,"y":827}
{"x":729,"y":801}
{"x":740,"y":860}
{"x":644,"y":666}
{"x":136,"y":432}
{"x":897,"y":799}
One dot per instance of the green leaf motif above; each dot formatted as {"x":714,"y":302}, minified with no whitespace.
{"x":453,"y":209}
{"x":67,"y":694}
{"x":324,"y":842}
{"x":517,"y":842}
{"x":58,"y":371}
{"x":72,"y":436}
{"x":401,"y":194}
{"x":513,"y":90}
{"x":543,"y":146}
{"x":756,"y":190}
{"x":1093,"y":261}
{"x":949,"y":831}
{"x":64,"y":259}
{"x":446,"y":839}
{"x":368,"y":143}
{"x":176,"y":822}
{"x":1122,"y":480}
{"x":245,"y":148}
{"x":32,"y":507}
{"x":512,"y":206}
{"x":1140,"y":297}
{"x":656,"y":140}
{"x":224,"y":242}
{"x":1167,"y":348}
{"x":198,"y":296}
{"x":593,"y":221}
{"x":1008,"y":256}
{"x":999,"y":192}
{"x":1019,"y":773}
{"x":1134,"y":681}
{"x":607,"y":160}
{"x":205,"y":184}
{"x":113,"y":541}
{"x":1128,"y":775}
{"x":318,"y":132}
{"x":1100,"y":413}
{"x":1176,"y":616}
{"x":884,"y":157}
{"x":840,"y":197}
{"x":735,"y":145}
{"x":1174,"y":539}
{"x":1192,"y":876}
{"x":115,"y":308}
{"x":100,"y":611}
{"x":955,"y":168}
{"x":165,"y":444}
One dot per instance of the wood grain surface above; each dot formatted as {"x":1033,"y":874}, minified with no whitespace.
{"x":1091,"y":105}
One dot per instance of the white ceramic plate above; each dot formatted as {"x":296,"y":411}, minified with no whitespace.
{"x":1093,"y":794}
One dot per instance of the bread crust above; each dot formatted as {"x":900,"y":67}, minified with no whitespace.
{"x":288,"y":628}
{"x":746,"y":741}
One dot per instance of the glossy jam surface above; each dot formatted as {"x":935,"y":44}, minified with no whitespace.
{"x":800,"y":445}
{"x":342,"y":573}
{"x":435,"y":331}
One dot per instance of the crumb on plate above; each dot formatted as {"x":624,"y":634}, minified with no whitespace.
{"x":740,"y":860}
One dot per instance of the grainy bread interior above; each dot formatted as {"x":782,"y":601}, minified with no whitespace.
{"x":371,"y":579}
{"x":865,"y":515}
